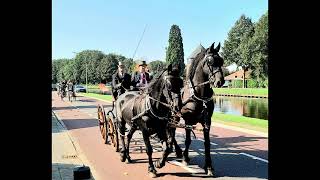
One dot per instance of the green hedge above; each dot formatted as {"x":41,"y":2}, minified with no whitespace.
{"x":251,"y":83}
{"x":242,"y":91}
{"x":98,"y":91}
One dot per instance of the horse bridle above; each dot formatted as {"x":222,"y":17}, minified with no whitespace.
{"x":148,"y":106}
{"x":192,"y":87}
{"x":168,"y":97}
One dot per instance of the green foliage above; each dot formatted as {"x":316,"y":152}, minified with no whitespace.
{"x":247,"y":46}
{"x":252,"y":83}
{"x":86,"y":61}
{"x":129,"y":64}
{"x":242,"y":29}
{"x":260,"y":48}
{"x":242,"y":91}
{"x":108,"y":66}
{"x":99,"y":67}
{"x":59,"y":69}
{"x":174,"y":53}
{"x":156,"y":67}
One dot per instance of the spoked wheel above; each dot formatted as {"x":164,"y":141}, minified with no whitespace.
{"x":102,"y":124}
{"x":112,"y":131}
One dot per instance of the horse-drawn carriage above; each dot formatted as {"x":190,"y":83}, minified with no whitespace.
{"x":108,"y":126}
{"x":158,"y":109}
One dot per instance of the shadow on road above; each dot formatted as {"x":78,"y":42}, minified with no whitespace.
{"x":227,"y":161}
{"x":64,"y":171}
{"x":80,"y":123}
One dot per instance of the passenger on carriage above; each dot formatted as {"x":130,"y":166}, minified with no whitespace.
{"x":141,"y":78}
{"x":121,"y":81}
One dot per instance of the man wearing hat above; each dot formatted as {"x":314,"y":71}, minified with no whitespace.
{"x":121,"y":81}
{"x":140,"y":78}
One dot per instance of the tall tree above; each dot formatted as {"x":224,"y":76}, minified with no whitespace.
{"x":235,"y":48}
{"x":108,"y":67}
{"x":85,"y":61}
{"x":260,"y":48}
{"x":174,"y":52}
{"x":58,"y":72}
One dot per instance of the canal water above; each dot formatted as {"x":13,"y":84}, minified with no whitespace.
{"x":249,"y":107}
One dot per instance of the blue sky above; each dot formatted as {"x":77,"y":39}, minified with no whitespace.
{"x":116,"y":26}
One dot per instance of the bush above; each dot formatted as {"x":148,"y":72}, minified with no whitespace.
{"x":98,"y":91}
{"x":265,"y":83}
{"x":252,"y":83}
{"x":236,"y":84}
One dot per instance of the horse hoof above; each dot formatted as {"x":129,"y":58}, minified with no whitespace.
{"x":210,"y":173}
{"x":129,"y":160}
{"x":152,"y":174}
{"x":157,"y":164}
{"x":185,"y":163}
{"x":179,"y":155}
{"x":122,"y":158}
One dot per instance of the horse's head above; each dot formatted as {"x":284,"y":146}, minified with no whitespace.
{"x":166,"y":88}
{"x":212,"y":63}
{"x":173,"y":84}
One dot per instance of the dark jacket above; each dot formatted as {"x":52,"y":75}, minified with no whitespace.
{"x":136,"y":76}
{"x":120,"y":84}
{"x":70,"y":87}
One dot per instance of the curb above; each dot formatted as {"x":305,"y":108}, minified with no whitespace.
{"x":235,"y":128}
{"x":82,"y":158}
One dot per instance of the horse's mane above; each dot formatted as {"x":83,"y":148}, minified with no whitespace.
{"x":154,"y":82}
{"x":192,"y":65}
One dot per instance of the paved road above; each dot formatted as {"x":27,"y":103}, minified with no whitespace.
{"x":236,"y":155}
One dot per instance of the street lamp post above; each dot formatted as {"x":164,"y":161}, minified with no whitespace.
{"x":86,"y":76}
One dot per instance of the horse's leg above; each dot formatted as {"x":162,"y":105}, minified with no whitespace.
{"x":172,"y":141}
{"x":176,"y":146}
{"x":151,"y":170}
{"x":129,"y":136}
{"x":166,"y":150}
{"x":208,"y":163}
{"x":186,"y":158}
{"x":123,"y":148}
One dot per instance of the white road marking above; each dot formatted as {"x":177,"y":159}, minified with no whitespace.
{"x":255,"y":157}
{"x":249,"y":155}
{"x":210,"y":142}
{"x":193,"y":169}
{"x":199,"y":139}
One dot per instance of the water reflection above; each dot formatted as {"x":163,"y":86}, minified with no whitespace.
{"x":249,"y":107}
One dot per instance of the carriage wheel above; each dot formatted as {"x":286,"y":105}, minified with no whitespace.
{"x":102,"y":124}
{"x":112,"y":132}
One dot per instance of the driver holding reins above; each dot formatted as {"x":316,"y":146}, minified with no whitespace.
{"x":121,"y":81}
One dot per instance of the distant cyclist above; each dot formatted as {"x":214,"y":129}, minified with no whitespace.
{"x":70,"y":88}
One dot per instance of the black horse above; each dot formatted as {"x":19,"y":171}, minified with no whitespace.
{"x":150,"y":113}
{"x":204,"y":70}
